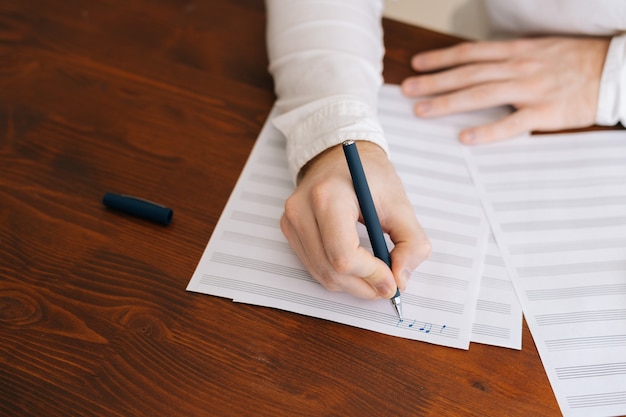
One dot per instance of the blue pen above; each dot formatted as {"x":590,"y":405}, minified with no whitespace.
{"x":370,"y":218}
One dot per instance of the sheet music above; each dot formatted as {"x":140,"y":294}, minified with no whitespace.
{"x":557,"y":205}
{"x":498,"y":319}
{"x":248,"y":260}
{"x":498,"y":314}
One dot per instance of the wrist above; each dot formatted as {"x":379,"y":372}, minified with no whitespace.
{"x":334,"y":157}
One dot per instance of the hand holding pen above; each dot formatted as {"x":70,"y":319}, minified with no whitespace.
{"x":369,"y":215}
{"x":320,"y":224}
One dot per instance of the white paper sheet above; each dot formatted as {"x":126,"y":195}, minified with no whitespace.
{"x":557,"y":205}
{"x":248,"y":259}
{"x":426,"y":143}
{"x":498,"y":319}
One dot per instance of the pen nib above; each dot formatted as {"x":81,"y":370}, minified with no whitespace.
{"x":396,"y":302}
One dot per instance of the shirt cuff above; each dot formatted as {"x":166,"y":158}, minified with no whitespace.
{"x":317,"y":126}
{"x":612,"y":95}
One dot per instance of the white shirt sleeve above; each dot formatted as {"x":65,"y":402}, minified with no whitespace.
{"x":326,"y":61}
{"x":612,"y":96}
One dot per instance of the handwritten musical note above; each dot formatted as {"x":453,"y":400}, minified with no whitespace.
{"x":426,"y":327}
{"x":420,"y":326}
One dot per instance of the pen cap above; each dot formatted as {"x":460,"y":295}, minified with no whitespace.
{"x":138,"y":207}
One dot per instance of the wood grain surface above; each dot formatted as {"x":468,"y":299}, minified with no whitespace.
{"x":163,"y":99}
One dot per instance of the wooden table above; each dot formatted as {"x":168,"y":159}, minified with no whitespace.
{"x":164,"y":100}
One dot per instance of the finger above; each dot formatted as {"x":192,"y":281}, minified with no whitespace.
{"x":473,"y":98}
{"x":373,"y":271}
{"x":295,"y":242}
{"x":411,"y":248}
{"x":518,"y":122}
{"x":313,"y":258}
{"x":457,"y":78}
{"x":411,"y":245}
{"x":464,"y":53}
{"x":343,"y":250}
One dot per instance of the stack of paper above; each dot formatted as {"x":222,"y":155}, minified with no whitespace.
{"x":557,"y":208}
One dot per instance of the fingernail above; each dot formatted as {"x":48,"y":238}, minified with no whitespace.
{"x":468,"y":136}
{"x":409,"y":87}
{"x":384,"y":290}
{"x":417,"y":61}
{"x":422,"y":109}
{"x":404,"y":278}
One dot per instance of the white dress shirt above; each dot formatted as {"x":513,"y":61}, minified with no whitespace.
{"x":326,"y":60}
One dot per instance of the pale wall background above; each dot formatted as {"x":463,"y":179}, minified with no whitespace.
{"x":465,"y":18}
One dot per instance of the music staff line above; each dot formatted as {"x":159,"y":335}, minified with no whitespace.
{"x":316,"y":302}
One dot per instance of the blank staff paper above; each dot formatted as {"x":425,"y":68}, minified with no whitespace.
{"x":557,"y":205}
{"x":535,"y":223}
{"x":248,"y":259}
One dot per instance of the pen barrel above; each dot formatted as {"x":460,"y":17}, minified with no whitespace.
{"x":138,"y":207}
{"x":366,"y":203}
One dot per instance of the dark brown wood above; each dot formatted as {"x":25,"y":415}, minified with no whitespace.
{"x":164,"y":100}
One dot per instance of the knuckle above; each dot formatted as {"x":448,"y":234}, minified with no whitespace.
{"x":473,"y":72}
{"x":516,"y":123}
{"x":518,"y":45}
{"x":537,"y":84}
{"x":482,"y":94}
{"x":487,"y":133}
{"x":320,"y":195}
{"x":327,"y":279}
{"x":465,"y":50}
{"x":512,"y":124}
{"x":342,"y":265}
{"x":284,"y":224}
{"x":527,"y":65}
{"x":291,"y":210}
{"x":425,"y":249}
{"x":515,"y":45}
{"x":441,"y":104}
{"x":424,"y":83}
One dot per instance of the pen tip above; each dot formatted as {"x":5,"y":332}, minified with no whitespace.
{"x":396,"y":302}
